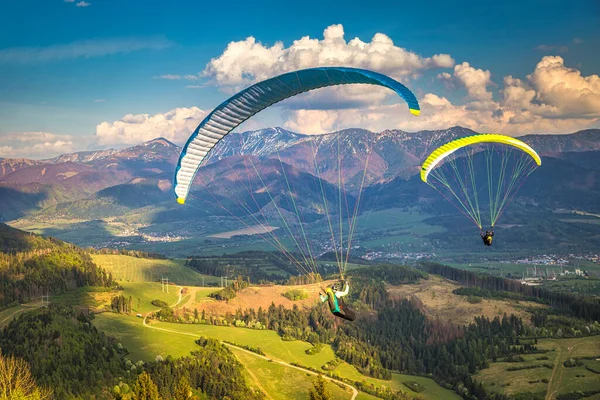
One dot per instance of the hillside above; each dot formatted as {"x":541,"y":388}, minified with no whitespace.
{"x":31,"y":265}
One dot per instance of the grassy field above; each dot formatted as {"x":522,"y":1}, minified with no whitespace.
{"x":99,"y":298}
{"x":93,"y":297}
{"x":560,"y":379}
{"x":133,"y":269}
{"x":146,"y":292}
{"x":143,"y":345}
{"x":280,"y":382}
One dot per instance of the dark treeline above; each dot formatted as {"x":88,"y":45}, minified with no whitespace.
{"x":125,"y":252}
{"x":121,"y":304}
{"x":230,"y":291}
{"x":391,"y":274}
{"x":251,"y":266}
{"x":587,"y":308}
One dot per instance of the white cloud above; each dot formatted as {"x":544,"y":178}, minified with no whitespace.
{"x":248,"y":61}
{"x":553,"y":99}
{"x":175,"y":125}
{"x":168,"y":77}
{"x":474,"y":80}
{"x":80,"y":49}
{"x":436,"y":113}
{"x":174,"y":77}
{"x":69,"y":1}
{"x":194,"y":86}
{"x":99,"y":101}
{"x":83,"y":4}
{"x":577,"y":40}
{"x":556,"y":91}
{"x":36,"y":144}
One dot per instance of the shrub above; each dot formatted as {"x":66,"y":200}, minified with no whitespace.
{"x":159,"y":303}
{"x":474,"y":299}
{"x":414,"y":386}
{"x":295,"y":294}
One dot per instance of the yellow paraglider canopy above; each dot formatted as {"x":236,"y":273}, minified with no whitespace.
{"x":444,"y":151}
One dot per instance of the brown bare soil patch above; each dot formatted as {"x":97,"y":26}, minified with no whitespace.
{"x":258,"y":296}
{"x":437,"y":299}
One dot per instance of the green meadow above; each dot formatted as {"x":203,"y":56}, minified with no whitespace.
{"x":178,"y":339}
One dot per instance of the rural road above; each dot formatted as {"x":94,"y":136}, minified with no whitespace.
{"x":308,"y":371}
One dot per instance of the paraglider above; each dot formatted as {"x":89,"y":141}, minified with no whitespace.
{"x":231,"y":113}
{"x":238,"y":108}
{"x":334,"y":296}
{"x":480,"y":174}
{"x":487,"y":237}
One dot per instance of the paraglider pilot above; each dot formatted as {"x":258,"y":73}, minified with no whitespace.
{"x":487,"y":237}
{"x":333,"y":295}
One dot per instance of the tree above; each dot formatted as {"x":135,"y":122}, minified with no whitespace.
{"x":319,"y":391}
{"x":16,"y":381}
{"x":183,"y":390}
{"x":144,"y":388}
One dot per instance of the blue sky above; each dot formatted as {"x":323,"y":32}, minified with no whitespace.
{"x":68,"y":66}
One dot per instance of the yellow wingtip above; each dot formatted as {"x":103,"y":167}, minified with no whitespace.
{"x":415,"y":112}
{"x":180,"y":200}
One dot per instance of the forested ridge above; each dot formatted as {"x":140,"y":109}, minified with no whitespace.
{"x":65,"y":351}
{"x":31,"y":265}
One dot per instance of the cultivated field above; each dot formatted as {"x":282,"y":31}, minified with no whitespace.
{"x":439,"y":301}
{"x":251,"y":230}
{"x":559,"y":378}
{"x":133,"y":269}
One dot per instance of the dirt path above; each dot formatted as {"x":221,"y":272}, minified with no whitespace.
{"x":560,"y":368}
{"x":192,"y":300}
{"x":308,"y":371}
{"x":179,"y":299}
{"x":256,"y":380}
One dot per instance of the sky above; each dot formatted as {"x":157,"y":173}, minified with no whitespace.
{"x":90,"y":74}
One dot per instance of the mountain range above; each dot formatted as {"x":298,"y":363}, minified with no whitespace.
{"x":257,"y":170}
